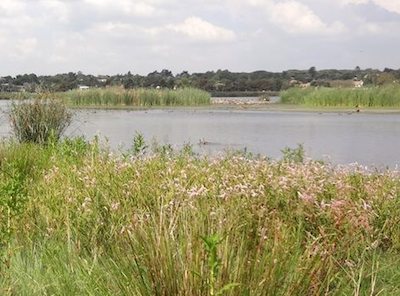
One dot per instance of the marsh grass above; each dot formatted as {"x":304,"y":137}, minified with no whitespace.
{"x":39,"y":120}
{"x":373,"y":97}
{"x":15,"y":95}
{"x":137,"y":97}
{"x":91,"y":222}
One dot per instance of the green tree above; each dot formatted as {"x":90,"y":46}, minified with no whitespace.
{"x":312,"y":72}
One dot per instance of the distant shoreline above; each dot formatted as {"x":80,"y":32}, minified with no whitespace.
{"x":273,"y":107}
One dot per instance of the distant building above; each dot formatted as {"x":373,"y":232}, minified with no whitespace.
{"x":358,"y":83}
{"x":102,"y":78}
{"x":83,"y":87}
{"x":7,"y":87}
{"x":4,"y":87}
{"x":305,"y":85}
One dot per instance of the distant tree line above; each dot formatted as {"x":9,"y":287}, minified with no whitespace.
{"x":212,"y":81}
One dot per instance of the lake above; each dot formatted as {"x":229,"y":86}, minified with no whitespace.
{"x":369,"y":139}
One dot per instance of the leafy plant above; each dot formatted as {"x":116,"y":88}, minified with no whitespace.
{"x":187,"y":150}
{"x":296,"y":155}
{"x":214,"y":263}
{"x":139,"y":144}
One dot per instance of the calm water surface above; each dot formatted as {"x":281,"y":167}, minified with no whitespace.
{"x":369,"y":139}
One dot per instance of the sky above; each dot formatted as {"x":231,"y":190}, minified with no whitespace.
{"x":141,"y":36}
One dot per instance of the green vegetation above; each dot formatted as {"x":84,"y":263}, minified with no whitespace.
{"x":137,"y":97}
{"x":79,"y":220}
{"x":38,"y":120}
{"x":384,"y":96}
{"x":14,"y":95}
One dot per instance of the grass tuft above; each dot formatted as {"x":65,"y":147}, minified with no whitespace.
{"x":39,"y":120}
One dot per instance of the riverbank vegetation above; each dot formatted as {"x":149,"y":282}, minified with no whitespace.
{"x":15,"y":95}
{"x":136,"y":97}
{"x":374,"y":97}
{"x":82,"y":220}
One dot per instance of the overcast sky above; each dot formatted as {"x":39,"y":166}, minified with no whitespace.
{"x":115,"y":36}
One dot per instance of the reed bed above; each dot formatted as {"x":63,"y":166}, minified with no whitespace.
{"x":137,"y":97}
{"x":373,"y":97}
{"x":80,"y":220}
{"x":15,"y":95}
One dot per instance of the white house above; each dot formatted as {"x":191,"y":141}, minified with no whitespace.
{"x":358,"y":83}
{"x":305,"y":85}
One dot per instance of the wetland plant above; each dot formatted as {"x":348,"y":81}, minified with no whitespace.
{"x":141,"y":97}
{"x":295,"y":155}
{"x":39,"y":120}
{"x":367,"y":97}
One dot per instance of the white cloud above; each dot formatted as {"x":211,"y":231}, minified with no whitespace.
{"x":355,"y":2}
{"x":198,"y":29}
{"x":57,"y":9}
{"x":371,"y":28}
{"x":295,"y":17}
{"x":11,"y":7}
{"x":20,"y":24}
{"x":386,"y":29}
{"x":134,"y":8}
{"x":112,"y":28}
{"x":389,"y":5}
{"x":144,"y":35}
{"x":26,"y":46}
{"x":124,"y":33}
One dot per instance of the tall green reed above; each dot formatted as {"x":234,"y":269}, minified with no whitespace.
{"x":137,"y":97}
{"x":383,"y":96}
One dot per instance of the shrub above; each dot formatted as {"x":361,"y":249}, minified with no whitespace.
{"x":39,"y":120}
